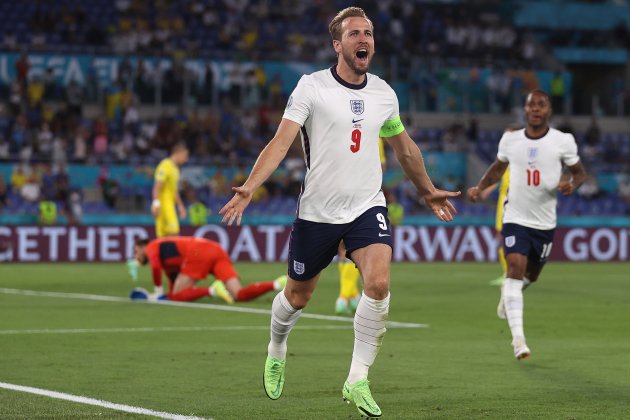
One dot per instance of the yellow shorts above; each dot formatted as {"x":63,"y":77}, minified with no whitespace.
{"x":166,"y":225}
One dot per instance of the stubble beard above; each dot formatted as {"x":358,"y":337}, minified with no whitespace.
{"x":349,"y":59}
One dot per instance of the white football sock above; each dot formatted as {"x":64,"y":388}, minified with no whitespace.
{"x":369,"y":329}
{"x":513,"y":300}
{"x":526,"y":283}
{"x":283,"y":318}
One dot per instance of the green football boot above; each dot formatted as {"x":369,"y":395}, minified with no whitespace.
{"x":498,"y":281}
{"x":280,"y":282}
{"x":359,"y":393}
{"x":342,"y":307}
{"x":273,"y":377}
{"x":219,"y":290}
{"x":354,"y":303}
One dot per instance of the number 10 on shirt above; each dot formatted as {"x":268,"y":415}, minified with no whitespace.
{"x":533,"y":177}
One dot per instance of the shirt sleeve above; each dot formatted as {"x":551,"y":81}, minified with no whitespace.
{"x":156,"y":269}
{"x":395,"y":107}
{"x":570,"y":151}
{"x":161,"y":173}
{"x":300,"y":103}
{"x":502,"y":154}
{"x":393,"y":124}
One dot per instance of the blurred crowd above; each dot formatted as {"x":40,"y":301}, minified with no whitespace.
{"x":271,"y":29}
{"x":433,"y":47}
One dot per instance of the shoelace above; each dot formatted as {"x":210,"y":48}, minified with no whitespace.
{"x":275,"y":371}
{"x":364,"y":391}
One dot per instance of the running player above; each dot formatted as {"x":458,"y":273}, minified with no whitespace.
{"x":187,"y":260}
{"x":535,"y":155}
{"x":340,"y":113}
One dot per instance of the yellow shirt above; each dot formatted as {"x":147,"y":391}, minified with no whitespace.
{"x":503,"y":189}
{"x":381,"y":152}
{"x":18,"y":179}
{"x":168,"y":174}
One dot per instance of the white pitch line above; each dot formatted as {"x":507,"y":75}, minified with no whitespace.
{"x":163,"y":329}
{"x":243,"y":309}
{"x":99,"y":403}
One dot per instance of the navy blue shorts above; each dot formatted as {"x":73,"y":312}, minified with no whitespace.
{"x":313,"y":245}
{"x":535,"y":244}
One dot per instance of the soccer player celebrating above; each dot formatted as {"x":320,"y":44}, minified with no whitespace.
{"x":166,"y":193}
{"x":340,"y":113}
{"x":535,"y":156}
{"x":187,"y":260}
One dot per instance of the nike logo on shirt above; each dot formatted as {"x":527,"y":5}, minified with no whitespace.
{"x":356,"y":121}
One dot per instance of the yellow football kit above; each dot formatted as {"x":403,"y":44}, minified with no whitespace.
{"x":166,"y":223}
{"x":503,"y":189}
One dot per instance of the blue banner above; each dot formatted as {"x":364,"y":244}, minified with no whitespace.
{"x":104,"y":69}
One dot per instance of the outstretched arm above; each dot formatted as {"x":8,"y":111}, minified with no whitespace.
{"x":578,"y":176}
{"x":267,"y":162}
{"x":491,"y":177}
{"x":410,"y":158}
{"x":155,"y":195}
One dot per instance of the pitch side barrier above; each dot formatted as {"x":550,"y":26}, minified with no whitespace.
{"x":270,"y":242}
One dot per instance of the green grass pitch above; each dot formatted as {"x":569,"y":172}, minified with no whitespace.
{"x":460,"y":367}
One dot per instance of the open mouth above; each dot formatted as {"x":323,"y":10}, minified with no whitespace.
{"x":362,"y":55}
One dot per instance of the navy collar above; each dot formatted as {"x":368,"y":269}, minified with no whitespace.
{"x":536,"y":138}
{"x":342,"y":82}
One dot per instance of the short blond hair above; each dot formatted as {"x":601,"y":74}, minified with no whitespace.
{"x":335,"y":25}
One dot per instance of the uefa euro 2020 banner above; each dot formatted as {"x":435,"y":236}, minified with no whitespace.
{"x":271,"y":243}
{"x":104,"y":68}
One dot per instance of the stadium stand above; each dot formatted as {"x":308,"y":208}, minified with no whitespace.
{"x":56,"y":129}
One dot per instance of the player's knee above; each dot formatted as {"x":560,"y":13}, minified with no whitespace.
{"x":299,"y":298}
{"x":515,"y":274}
{"x":376,"y":288}
{"x":532,"y":277}
{"x":515,"y":271}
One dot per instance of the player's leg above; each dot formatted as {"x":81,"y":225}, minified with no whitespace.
{"x":184,"y":289}
{"x":369,"y":244}
{"x":224,"y":271}
{"x":534,"y":268}
{"x":349,"y":294}
{"x":503,"y":262}
{"x":312,"y":247}
{"x":197,"y":264}
{"x":500,"y":252}
{"x":286,"y":309}
{"x":542,"y":242}
{"x":517,"y":245}
{"x":253,"y":290}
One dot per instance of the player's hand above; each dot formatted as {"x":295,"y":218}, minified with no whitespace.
{"x":473,"y":194}
{"x":566,"y":187}
{"x":233,"y":210}
{"x":158,"y":292}
{"x":182,"y":212}
{"x":438,"y":202}
{"x":155,"y":211}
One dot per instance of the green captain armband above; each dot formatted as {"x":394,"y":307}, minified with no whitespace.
{"x":391,"y":128}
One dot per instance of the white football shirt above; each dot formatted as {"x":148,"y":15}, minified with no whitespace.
{"x":535,"y":171}
{"x":340,"y":130}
